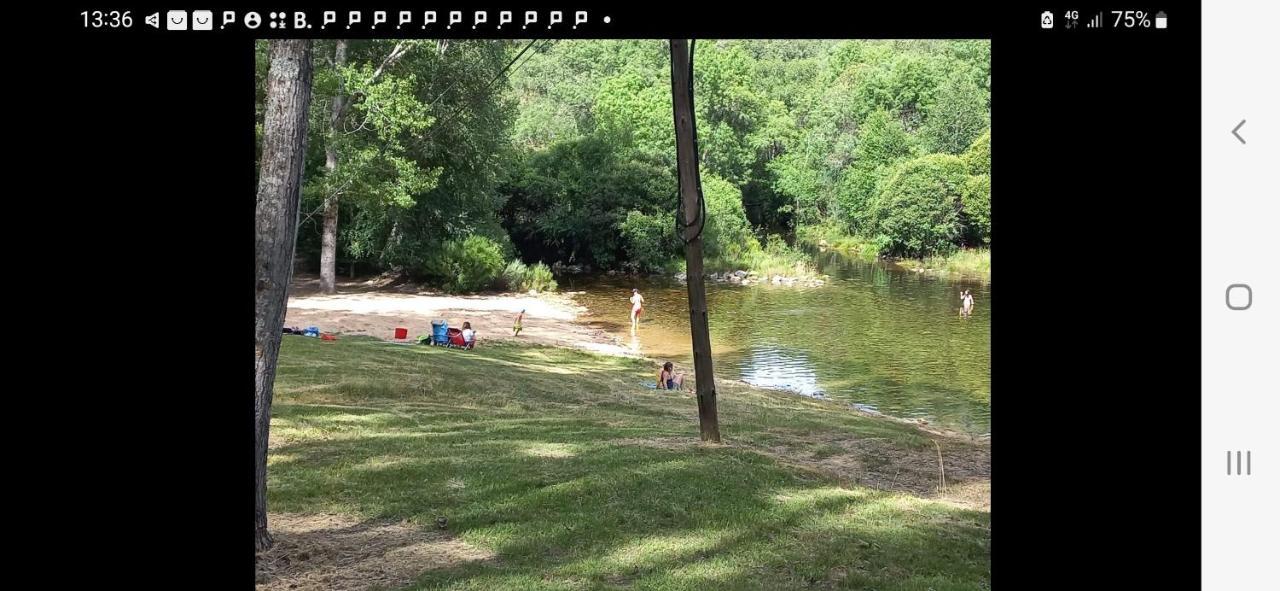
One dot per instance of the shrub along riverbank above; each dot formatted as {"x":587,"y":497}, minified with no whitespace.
{"x":972,"y":263}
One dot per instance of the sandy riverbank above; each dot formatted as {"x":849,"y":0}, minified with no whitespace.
{"x":368,"y":307}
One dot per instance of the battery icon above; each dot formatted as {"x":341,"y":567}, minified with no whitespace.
{"x":1162,"y":22}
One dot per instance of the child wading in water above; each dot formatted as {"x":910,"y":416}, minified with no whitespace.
{"x":966,"y":303}
{"x":637,"y":306}
{"x":519,"y":323}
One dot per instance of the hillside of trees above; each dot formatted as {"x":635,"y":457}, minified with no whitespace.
{"x":478,"y":164}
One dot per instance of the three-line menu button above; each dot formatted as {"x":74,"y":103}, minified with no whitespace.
{"x":1242,"y":461}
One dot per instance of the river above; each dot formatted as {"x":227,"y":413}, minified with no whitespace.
{"x":876,"y":335}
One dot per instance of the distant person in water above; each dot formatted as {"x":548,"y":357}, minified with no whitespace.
{"x":668,"y":379}
{"x":637,"y":306}
{"x":966,"y":303}
{"x":519,"y":325}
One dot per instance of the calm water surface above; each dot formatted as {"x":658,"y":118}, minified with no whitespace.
{"x":876,"y":335}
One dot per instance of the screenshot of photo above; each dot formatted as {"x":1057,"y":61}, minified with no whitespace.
{"x":641,"y":297}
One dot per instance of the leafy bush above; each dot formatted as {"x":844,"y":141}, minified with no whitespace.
{"x":518,"y":276}
{"x":882,"y":143}
{"x":469,"y":264}
{"x":650,"y":240}
{"x":573,"y":198}
{"x":917,"y":211}
{"x":978,"y":157}
{"x":727,"y":234}
{"x":956,"y":117}
{"x":775,"y":258}
{"x":540,"y":278}
{"x":975,"y":197}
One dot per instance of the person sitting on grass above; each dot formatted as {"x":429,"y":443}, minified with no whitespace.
{"x":468,"y":335}
{"x":668,"y":379}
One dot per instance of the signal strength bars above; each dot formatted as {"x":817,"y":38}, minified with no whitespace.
{"x":1095,"y":22}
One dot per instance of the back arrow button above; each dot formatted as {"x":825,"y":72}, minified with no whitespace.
{"x":1233,"y":132}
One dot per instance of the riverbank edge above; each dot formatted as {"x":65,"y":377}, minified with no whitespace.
{"x":919,"y":424}
{"x":586,"y":338}
{"x":965,"y":263}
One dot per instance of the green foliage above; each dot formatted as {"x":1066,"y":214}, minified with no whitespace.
{"x":976,"y":194}
{"x":650,"y":240}
{"x":575,"y":150}
{"x":801,"y":133}
{"x":917,"y":211}
{"x":569,"y":203}
{"x":729,"y":109}
{"x":978,"y":158}
{"x":517,"y":276}
{"x":774,"y":258}
{"x":419,"y":149}
{"x":882,"y":143}
{"x":975,"y":197}
{"x":957,"y":116}
{"x":637,"y":114}
{"x":374,"y":147}
{"x":470,"y":264}
{"x":727,"y":233}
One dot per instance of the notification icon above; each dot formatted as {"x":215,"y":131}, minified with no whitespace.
{"x":176,"y":20}
{"x":202,"y":20}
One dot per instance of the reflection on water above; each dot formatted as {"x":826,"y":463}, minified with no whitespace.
{"x":876,"y":335}
{"x":772,"y":367}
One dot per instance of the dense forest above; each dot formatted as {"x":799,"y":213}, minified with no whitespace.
{"x":481,"y":164}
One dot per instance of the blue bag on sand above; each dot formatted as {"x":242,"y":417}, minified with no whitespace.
{"x":312,"y":331}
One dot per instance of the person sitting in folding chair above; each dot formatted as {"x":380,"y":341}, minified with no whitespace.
{"x":468,"y":335}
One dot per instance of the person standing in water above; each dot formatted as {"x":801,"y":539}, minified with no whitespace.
{"x":519,"y":325}
{"x":966,"y":303}
{"x":637,"y":306}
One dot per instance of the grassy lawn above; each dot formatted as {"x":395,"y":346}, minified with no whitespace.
{"x":571,"y":474}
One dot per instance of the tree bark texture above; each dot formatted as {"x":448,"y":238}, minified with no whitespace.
{"x":691,"y":200}
{"x":329,"y":238}
{"x":279,"y":184}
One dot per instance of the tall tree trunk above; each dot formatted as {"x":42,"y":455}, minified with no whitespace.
{"x":279,"y":182}
{"x":691,"y":198}
{"x":329,"y":240}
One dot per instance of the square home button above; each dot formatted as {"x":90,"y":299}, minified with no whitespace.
{"x":1239,"y":296}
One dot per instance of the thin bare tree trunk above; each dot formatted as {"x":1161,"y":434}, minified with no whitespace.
{"x":284,"y":141}
{"x":329,"y":239}
{"x":686,"y":155}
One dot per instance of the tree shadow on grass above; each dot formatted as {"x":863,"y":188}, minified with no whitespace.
{"x":536,"y":466}
{"x":338,"y":553}
{"x":557,"y":507}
